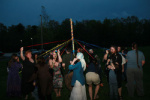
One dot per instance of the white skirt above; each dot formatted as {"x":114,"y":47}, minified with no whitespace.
{"x":78,"y":92}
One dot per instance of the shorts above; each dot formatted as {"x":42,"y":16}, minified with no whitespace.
{"x":92,"y":77}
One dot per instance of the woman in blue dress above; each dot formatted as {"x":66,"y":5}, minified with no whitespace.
{"x":14,"y":81}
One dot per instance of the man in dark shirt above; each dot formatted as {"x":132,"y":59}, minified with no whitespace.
{"x":67,"y":58}
{"x":115,"y":66}
{"x":96,"y":59}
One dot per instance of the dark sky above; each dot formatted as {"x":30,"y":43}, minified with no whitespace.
{"x":28,"y":12}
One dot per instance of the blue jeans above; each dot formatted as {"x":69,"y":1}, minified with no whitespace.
{"x":35,"y":94}
{"x":113,"y":91}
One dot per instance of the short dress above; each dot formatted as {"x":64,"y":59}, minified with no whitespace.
{"x":58,"y":78}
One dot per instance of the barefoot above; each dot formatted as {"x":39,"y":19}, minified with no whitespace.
{"x":96,"y":97}
{"x":57,"y":95}
{"x":26,"y":97}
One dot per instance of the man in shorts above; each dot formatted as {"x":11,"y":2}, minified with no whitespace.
{"x":92,"y":76}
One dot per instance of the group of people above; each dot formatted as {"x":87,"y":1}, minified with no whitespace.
{"x":127,"y":66}
{"x":39,"y":78}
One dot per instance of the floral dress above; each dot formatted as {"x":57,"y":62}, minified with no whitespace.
{"x":57,"y":79}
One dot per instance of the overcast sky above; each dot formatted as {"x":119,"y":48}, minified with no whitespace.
{"x":28,"y":12}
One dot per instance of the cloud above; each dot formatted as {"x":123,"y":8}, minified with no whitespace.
{"x":121,"y":14}
{"x":125,"y":14}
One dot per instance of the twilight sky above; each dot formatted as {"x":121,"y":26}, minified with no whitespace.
{"x":28,"y":12}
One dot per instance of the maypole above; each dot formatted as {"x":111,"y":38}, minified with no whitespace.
{"x":72,"y":37}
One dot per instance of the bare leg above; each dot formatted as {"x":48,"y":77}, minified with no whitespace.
{"x":26,"y":97}
{"x":96,"y":91}
{"x":120,"y":92}
{"x":90,"y":92}
{"x":59,"y":92}
{"x":56,"y":91}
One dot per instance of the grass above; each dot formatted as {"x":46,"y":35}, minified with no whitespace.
{"x":103,"y":92}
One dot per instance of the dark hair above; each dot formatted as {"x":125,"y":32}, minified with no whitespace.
{"x":35,"y":54}
{"x":135,"y":46}
{"x":41,"y":61}
{"x":115,"y":47}
{"x":51,"y":57}
{"x":80,"y":50}
{"x":112,"y":55}
{"x":12,"y":59}
{"x":120,"y":47}
{"x":69,"y":49}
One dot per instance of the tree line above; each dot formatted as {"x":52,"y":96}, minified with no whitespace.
{"x":117,"y":31}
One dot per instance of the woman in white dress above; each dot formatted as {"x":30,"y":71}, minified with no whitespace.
{"x":78,"y":81}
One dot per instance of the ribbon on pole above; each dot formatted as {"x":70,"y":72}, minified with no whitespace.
{"x":72,"y":37}
{"x":44,"y":54}
{"x":45,"y":43}
{"x":84,"y":49}
{"x":64,"y":49}
{"x":59,"y":49}
{"x":91,"y":44}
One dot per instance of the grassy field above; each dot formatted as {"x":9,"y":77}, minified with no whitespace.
{"x":103,"y":92}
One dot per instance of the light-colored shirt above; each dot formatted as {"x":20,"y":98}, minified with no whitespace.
{"x":132,"y":59}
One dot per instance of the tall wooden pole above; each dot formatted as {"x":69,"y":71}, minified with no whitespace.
{"x":72,"y":37}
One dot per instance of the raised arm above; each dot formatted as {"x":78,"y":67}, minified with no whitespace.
{"x":21,"y":53}
{"x":105,"y":57}
{"x":51,"y":63}
{"x":72,"y":66}
{"x":59,"y":57}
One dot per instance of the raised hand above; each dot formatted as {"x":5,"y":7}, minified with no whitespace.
{"x":58,"y":51}
{"x":21,"y":49}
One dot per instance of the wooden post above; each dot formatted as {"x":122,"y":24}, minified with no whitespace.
{"x":72,"y":37}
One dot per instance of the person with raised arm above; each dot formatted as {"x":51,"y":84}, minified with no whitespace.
{"x":27,"y":72}
{"x":55,"y":64}
{"x":78,"y":65}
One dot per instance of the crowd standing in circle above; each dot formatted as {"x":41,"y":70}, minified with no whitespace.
{"x":39,"y":78}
